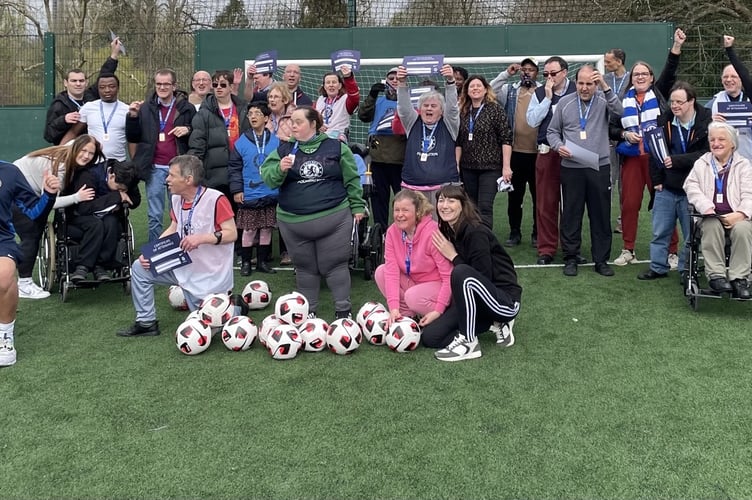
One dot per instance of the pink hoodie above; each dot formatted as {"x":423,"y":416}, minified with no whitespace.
{"x":426,"y":263}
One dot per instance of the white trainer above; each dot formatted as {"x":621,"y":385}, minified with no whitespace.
{"x":30,"y":290}
{"x":504,"y":334}
{"x":7,"y":353}
{"x":459,"y":349}
{"x":673,"y":261}
{"x":625,"y":258}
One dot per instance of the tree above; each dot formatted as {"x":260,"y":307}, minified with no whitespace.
{"x":448,"y":13}
{"x":323,"y":14}
{"x":232,"y":16}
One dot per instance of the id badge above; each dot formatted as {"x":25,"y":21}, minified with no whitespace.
{"x":162,"y":137}
{"x":229,"y":133}
{"x":719,"y":198}
{"x":470,"y":136}
{"x":424,"y":157}
{"x":583,"y":135}
{"x":291,"y":157}
{"x":106,"y":137}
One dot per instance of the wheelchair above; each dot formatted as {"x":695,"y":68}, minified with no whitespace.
{"x":367,"y":240}
{"x":694,"y":278}
{"x":58,"y":253}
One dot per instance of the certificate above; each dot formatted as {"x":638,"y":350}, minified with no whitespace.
{"x":737,"y":114}
{"x":582,"y":156}
{"x":346,"y":57}
{"x":266,"y":62}
{"x":423,"y":65}
{"x":165,"y":254}
{"x":657,"y":144}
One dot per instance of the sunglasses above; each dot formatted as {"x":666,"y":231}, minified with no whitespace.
{"x":546,"y":74}
{"x":220,"y":84}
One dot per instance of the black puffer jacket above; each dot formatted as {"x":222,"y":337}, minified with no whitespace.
{"x":209,"y":140}
{"x":144,"y":130}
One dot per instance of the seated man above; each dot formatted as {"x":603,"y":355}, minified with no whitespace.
{"x":204,"y":220}
{"x":96,"y":224}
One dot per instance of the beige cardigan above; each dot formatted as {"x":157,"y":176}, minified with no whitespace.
{"x":700,"y":185}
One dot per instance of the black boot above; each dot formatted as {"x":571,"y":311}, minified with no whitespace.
{"x":262,"y":265}
{"x":245,"y":265}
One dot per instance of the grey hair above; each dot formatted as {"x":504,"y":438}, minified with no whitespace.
{"x":731,"y":131}
{"x":432,"y":94}
{"x":189,"y":165}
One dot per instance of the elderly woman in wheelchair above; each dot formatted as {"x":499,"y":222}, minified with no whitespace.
{"x":720,"y":189}
{"x":97,"y":223}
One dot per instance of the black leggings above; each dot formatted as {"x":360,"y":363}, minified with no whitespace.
{"x":476,"y":304}
{"x":30,"y":232}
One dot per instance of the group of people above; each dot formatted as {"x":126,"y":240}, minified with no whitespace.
{"x":240,"y":163}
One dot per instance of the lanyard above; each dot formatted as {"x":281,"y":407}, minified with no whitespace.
{"x":583,"y":119}
{"x":719,"y":178}
{"x":75,"y":102}
{"x":474,"y":118}
{"x":275,"y":123}
{"x":228,"y":118}
{"x":163,"y":120}
{"x":427,"y":140}
{"x":408,"y":253}
{"x":681,"y":137}
{"x":260,"y":155}
{"x":101,"y":113}
{"x":187,"y":229}
{"x":617,"y":87}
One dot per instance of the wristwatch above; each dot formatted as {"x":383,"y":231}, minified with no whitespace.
{"x":218,"y":235}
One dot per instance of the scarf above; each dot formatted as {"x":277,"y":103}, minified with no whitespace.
{"x":640,"y":118}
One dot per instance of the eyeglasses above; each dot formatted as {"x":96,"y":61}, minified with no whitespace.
{"x":677,"y":103}
{"x":164,"y":84}
{"x":546,"y":74}
{"x":220,"y":84}
{"x":641,"y":75}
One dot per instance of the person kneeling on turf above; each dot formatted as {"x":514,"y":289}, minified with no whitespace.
{"x":203,"y":219}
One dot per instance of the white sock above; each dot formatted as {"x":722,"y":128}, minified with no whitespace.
{"x":6,"y":330}
{"x":25,"y":281}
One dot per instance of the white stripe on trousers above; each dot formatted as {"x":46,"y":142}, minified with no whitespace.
{"x":471,"y":287}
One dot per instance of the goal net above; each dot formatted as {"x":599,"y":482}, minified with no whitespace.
{"x":374,"y":70}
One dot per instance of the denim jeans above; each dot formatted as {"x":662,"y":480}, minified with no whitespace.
{"x":156,"y":193}
{"x":667,"y":208}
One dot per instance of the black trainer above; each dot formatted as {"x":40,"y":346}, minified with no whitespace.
{"x":79,"y":274}
{"x":101,"y":274}
{"x":139,"y":329}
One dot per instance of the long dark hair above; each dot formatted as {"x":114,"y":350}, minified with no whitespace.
{"x":70,"y":162}
{"x":468,"y":215}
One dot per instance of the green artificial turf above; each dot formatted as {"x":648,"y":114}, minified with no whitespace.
{"x":613,"y":389}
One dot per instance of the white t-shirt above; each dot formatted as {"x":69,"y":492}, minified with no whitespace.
{"x":98,"y":116}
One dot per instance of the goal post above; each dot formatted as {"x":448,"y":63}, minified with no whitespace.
{"x":374,"y":70}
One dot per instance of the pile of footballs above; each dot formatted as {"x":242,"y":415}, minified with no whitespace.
{"x":287,"y":331}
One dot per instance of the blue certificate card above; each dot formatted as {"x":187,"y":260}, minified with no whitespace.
{"x":423,"y":65}
{"x":737,"y":114}
{"x":346,"y":57}
{"x":165,"y":254}
{"x":266,"y":62}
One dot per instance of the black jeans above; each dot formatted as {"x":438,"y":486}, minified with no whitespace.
{"x":30,"y":232}
{"x":98,"y":239}
{"x":480,"y":186}
{"x":523,"y":173}
{"x":387,"y":179}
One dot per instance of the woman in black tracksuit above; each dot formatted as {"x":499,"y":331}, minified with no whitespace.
{"x":484,"y":283}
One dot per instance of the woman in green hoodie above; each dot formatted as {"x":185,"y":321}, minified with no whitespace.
{"x":320,"y":198}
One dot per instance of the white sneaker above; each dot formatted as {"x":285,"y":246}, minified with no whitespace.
{"x":504,"y":335}
{"x":7,"y":353}
{"x":673,"y":261}
{"x":30,"y":290}
{"x":625,"y":258}
{"x":459,"y":350}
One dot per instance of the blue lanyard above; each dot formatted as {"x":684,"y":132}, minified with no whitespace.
{"x":408,"y":253}
{"x":328,"y":108}
{"x":101,"y":112}
{"x":228,"y":118}
{"x":681,"y":137}
{"x":260,"y":150}
{"x":163,"y":120}
{"x":187,"y":229}
{"x":275,"y":123}
{"x":616,"y":87}
{"x":719,"y":178}
{"x":294,"y":149}
{"x":473,"y":118}
{"x":583,"y":119}
{"x":427,"y":140}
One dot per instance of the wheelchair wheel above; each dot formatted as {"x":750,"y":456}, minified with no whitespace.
{"x":692,"y":297}
{"x":131,"y":237}
{"x":64,"y":289}
{"x":376,"y":255}
{"x":354,"y":245}
{"x":127,"y":287}
{"x":46,"y":258}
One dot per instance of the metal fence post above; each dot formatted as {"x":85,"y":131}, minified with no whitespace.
{"x":49,"y":68}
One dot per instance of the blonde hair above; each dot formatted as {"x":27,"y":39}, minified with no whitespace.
{"x":422,"y":206}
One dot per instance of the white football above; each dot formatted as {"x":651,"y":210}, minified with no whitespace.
{"x":192,"y":337}
{"x":284,"y":342}
{"x":313,"y":331}
{"x":365,"y":310}
{"x":376,"y":327}
{"x":343,"y":336}
{"x":215,"y":310}
{"x":404,"y":335}
{"x":239,"y":333}
{"x":267,"y":325}
{"x":177,"y":298}
{"x":292,"y":308}
{"x":257,"y":294}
